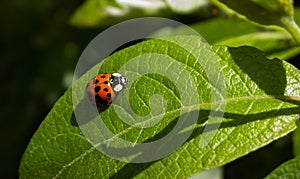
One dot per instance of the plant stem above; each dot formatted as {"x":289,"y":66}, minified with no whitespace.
{"x":291,"y":26}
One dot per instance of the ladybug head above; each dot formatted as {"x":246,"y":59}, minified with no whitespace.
{"x":118,"y":82}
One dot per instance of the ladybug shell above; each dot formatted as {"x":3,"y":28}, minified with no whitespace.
{"x":99,"y":90}
{"x":103,"y":88}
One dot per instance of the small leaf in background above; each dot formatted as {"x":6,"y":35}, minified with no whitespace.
{"x":237,"y":32}
{"x":263,"y":12}
{"x":102,"y":13}
{"x":93,"y":13}
{"x":258,"y":111}
{"x":181,"y":6}
{"x":289,"y":169}
{"x":275,"y":42}
{"x":273,"y":12}
{"x":216,"y":173}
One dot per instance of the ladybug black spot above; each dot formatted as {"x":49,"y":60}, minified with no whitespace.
{"x":97,"y":97}
{"x":95,"y":81}
{"x":97,"y":89}
{"x":103,"y":76}
{"x":105,"y":82}
{"x":108,"y":95}
{"x":105,"y":89}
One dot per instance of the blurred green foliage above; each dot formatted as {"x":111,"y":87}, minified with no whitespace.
{"x":39,"y":50}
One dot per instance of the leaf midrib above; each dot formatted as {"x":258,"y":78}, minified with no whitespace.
{"x":191,"y":108}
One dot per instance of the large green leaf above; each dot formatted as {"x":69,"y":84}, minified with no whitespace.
{"x":262,"y":104}
{"x":289,"y":169}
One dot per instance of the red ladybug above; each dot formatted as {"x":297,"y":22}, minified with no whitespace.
{"x":103,"y":88}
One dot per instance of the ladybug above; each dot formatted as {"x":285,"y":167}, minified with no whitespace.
{"x":103,"y":88}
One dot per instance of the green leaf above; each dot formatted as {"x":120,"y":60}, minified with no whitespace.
{"x":262,"y":104}
{"x":107,"y":12}
{"x":181,"y":6}
{"x":263,"y":12}
{"x":276,"y":43}
{"x":213,"y":173}
{"x":231,"y":29}
{"x":92,"y":12}
{"x":272,"y":12}
{"x":289,"y":169}
{"x":102,"y":13}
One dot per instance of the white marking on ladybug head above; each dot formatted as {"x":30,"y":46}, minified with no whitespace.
{"x":118,"y":88}
{"x":116,"y":74}
{"x":123,"y":80}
